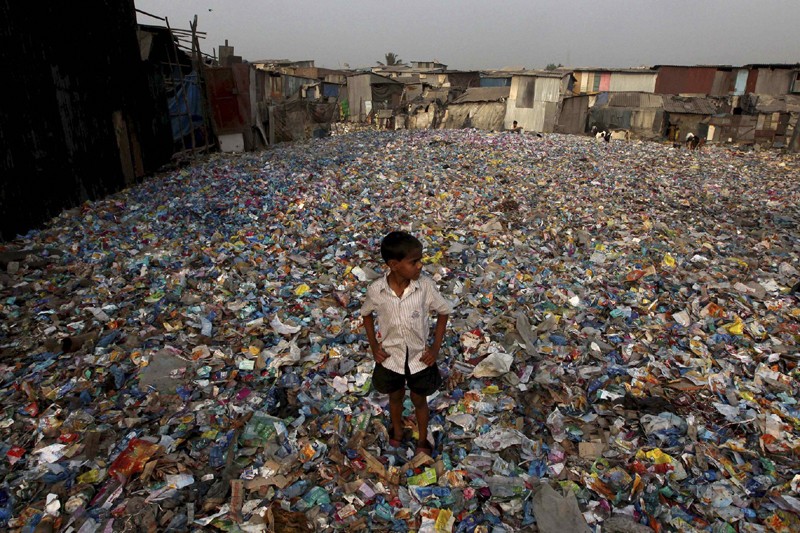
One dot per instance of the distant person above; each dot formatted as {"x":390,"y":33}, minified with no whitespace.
{"x":692,"y":141}
{"x":515,"y":127}
{"x":403,"y":301}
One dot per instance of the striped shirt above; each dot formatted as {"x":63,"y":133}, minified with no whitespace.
{"x":403,"y":323}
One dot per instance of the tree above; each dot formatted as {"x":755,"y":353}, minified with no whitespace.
{"x":391,"y":59}
{"x":553,"y":66}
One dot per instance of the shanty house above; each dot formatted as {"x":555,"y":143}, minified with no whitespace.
{"x":701,"y":80}
{"x":574,"y":115}
{"x":496,"y":78}
{"x":534,"y":99}
{"x":367,"y":92}
{"x":593,"y":81}
{"x":462,"y":79}
{"x":427,"y":110}
{"x":773,"y":79}
{"x":690,"y":114}
{"x":319,"y":73}
{"x":638,"y":115}
{"x":428,"y":65}
{"x":479,"y":107}
{"x":393,"y":71}
{"x":77,"y":126}
{"x":768,"y":120}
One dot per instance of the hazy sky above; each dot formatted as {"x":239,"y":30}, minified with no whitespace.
{"x":486,"y":34}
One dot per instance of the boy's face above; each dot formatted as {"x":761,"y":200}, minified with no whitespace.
{"x":410,"y":267}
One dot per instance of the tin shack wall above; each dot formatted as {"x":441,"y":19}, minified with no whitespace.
{"x":80,"y":121}
{"x":685,"y":80}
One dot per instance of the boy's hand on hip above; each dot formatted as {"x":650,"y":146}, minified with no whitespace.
{"x":379,"y":355}
{"x":429,"y":356}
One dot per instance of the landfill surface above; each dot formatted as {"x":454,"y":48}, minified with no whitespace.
{"x":188,"y":354}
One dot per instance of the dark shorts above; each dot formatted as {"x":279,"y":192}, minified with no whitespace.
{"x":425,"y":382}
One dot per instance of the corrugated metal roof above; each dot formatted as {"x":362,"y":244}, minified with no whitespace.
{"x":656,"y":67}
{"x":690,"y":105}
{"x":377,"y":79}
{"x":604,"y":69}
{"x":635,"y":100}
{"x":523,"y":72}
{"x":777,"y":104}
{"x":543,"y":73}
{"x":773,"y":65}
{"x":391,"y":68}
{"x":483,"y":94}
{"x":408,"y":79}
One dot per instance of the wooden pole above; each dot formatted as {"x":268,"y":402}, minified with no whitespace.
{"x":794,"y":144}
{"x":201,"y":85}
{"x":183,"y":89}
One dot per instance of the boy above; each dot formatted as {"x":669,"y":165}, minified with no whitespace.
{"x":403,"y":301}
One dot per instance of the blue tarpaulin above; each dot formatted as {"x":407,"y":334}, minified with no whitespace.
{"x":330,"y":90}
{"x":185,"y":108}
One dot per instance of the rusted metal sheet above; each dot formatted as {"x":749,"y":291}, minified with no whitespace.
{"x":752,"y":79}
{"x":724,"y":83}
{"x":685,"y":80}
{"x":574,"y":112}
{"x":225,"y":94}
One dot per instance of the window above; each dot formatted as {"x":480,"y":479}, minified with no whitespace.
{"x":795,"y":88}
{"x":596,"y":84}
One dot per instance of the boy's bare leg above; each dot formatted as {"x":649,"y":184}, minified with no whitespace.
{"x":422,"y":413}
{"x":396,"y":412}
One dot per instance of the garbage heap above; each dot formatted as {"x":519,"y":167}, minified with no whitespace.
{"x":189,"y":355}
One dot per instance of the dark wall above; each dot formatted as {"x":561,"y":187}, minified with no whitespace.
{"x":79,"y":120}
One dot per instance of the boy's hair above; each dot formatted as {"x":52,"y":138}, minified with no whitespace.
{"x":397,"y":245}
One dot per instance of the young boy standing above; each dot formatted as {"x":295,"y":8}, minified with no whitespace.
{"x":403,"y":301}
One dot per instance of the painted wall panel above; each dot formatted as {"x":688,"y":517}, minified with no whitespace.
{"x":605,"y":81}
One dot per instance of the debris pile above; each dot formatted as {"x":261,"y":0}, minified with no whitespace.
{"x":188,"y":354}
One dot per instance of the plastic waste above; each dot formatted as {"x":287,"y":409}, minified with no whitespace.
{"x":188,"y":354}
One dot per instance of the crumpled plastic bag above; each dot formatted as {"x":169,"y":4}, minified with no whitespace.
{"x":496,"y":364}
{"x":498,"y":439}
{"x":281,"y":328}
{"x":663,"y":425}
{"x":556,"y":513}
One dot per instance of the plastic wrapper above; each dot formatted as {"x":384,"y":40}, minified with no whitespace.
{"x":624,"y":332}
